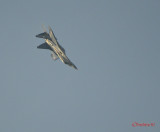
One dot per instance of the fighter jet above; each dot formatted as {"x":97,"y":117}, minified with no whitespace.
{"x":52,"y":44}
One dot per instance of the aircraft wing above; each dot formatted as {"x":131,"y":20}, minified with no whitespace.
{"x":52,"y":36}
{"x":54,"y":39}
{"x":62,"y":49}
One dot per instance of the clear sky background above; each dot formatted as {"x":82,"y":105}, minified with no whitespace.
{"x":114,"y":43}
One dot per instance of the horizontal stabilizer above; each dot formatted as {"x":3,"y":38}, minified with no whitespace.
{"x":44,"y":46}
{"x":43,"y":35}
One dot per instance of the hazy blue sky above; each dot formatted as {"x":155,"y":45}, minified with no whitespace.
{"x":114,"y":43}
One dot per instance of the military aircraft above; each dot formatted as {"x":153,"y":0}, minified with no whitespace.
{"x":52,"y":44}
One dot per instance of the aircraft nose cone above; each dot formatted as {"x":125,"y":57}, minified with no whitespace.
{"x":74,"y":67}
